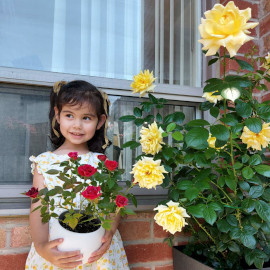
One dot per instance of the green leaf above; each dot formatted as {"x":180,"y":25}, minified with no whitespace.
{"x":131,"y":144}
{"x":255,"y":160}
{"x":159,"y":117}
{"x":231,"y":219}
{"x":204,"y":106}
{"x":214,"y":111}
{"x":167,"y":153}
{"x":244,"y":65}
{"x":147,"y":106}
{"x":52,"y":171}
{"x":244,"y":185}
{"x":245,"y":158}
{"x":138,"y":121}
{"x":153,"y":98}
{"x":266,"y":194}
{"x":263,"y":210}
{"x":178,"y":136}
{"x":178,"y":117}
{"x":168,"y":119}
{"x":192,"y":193}
{"x":212,"y":61}
{"x":174,"y":194}
{"x":221,"y":181}
{"x":220,"y":132}
{"x":197,"y":138}
{"x":198,"y":123}
{"x":171,"y":127}
{"x":256,"y":191}
{"x":237,"y":128}
{"x":247,"y":173}
{"x":230,"y":182}
{"x":196,"y":210}
{"x":243,"y":109}
{"x":209,"y":215}
{"x":184,"y":184}
{"x":237,"y":165}
{"x":129,"y":211}
{"x":127,"y":118}
{"x":248,"y":205}
{"x":254,"y":124}
{"x":234,"y":247}
{"x":137,"y":112}
{"x":215,"y":206}
{"x":223,"y":225}
{"x":263,"y":170}
{"x":248,"y":241}
{"x":229,"y":120}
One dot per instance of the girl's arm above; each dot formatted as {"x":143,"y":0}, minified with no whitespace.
{"x":106,"y":240}
{"x":40,"y":235}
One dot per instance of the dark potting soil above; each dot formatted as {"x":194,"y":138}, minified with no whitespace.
{"x":85,"y":227}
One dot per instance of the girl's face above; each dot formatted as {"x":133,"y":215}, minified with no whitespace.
{"x":78,"y":124}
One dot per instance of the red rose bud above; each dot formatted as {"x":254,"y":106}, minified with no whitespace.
{"x":121,"y":201}
{"x":32,"y":193}
{"x":91,"y":192}
{"x":111,"y":165}
{"x":86,"y":170}
{"x":102,"y":157}
{"x":133,"y":181}
{"x":73,"y":155}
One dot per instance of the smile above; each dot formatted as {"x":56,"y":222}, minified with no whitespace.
{"x":76,"y":134}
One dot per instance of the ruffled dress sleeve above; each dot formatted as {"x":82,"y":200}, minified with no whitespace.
{"x":41,"y":162}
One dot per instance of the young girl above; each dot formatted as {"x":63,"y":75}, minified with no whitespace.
{"x":79,"y":117}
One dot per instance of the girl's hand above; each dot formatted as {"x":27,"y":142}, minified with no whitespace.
{"x":50,"y":252}
{"x":106,"y":242}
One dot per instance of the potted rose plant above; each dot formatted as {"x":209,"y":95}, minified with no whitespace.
{"x":83,"y":205}
{"x":216,"y":173}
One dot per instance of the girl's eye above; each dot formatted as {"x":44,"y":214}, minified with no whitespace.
{"x":69,"y":115}
{"x":86,"y":118}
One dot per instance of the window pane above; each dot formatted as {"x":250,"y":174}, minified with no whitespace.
{"x":24,"y":130}
{"x":103,"y":38}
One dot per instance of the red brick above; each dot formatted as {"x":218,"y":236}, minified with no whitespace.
{"x":164,"y":267}
{"x":248,"y":45}
{"x":17,"y":219}
{"x":159,"y":232}
{"x":148,"y":252}
{"x":264,"y":7}
{"x":2,"y":238}
{"x":266,"y":97}
{"x":13,"y":262}
{"x":264,"y":25}
{"x":20,"y":236}
{"x":134,"y":230}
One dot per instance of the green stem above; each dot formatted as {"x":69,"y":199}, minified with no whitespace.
{"x":203,"y":228}
{"x":222,"y":191}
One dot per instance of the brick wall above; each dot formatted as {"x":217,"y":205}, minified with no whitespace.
{"x":143,"y":241}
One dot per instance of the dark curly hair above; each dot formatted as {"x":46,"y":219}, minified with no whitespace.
{"x":76,"y":93}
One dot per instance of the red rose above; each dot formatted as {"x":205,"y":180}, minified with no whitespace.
{"x":32,"y":193}
{"x":91,"y":192}
{"x":73,"y":155}
{"x":86,"y":170}
{"x":111,"y":165}
{"x":121,"y":201}
{"x":102,"y":157}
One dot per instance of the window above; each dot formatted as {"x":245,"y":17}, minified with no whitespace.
{"x":104,"y":42}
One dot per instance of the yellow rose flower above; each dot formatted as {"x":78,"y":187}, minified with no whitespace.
{"x":256,"y":140}
{"x":266,"y":65}
{"x":225,"y":26}
{"x":171,"y":217}
{"x":212,"y":98}
{"x":151,"y":139}
{"x":148,"y":173}
{"x":143,"y":82}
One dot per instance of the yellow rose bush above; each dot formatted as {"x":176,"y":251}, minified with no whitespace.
{"x":216,"y":174}
{"x":171,"y":217}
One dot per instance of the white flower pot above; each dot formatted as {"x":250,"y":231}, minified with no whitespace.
{"x":87,"y":243}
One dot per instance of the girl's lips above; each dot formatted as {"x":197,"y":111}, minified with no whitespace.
{"x":76,"y":134}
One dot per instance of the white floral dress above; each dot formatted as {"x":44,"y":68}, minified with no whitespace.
{"x":115,"y":257}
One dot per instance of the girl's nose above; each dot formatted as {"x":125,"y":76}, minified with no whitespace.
{"x":77,"y":123}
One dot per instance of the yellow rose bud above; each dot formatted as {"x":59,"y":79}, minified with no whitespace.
{"x":212,"y":98}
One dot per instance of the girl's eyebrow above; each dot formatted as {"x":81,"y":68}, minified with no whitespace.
{"x":86,"y":114}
